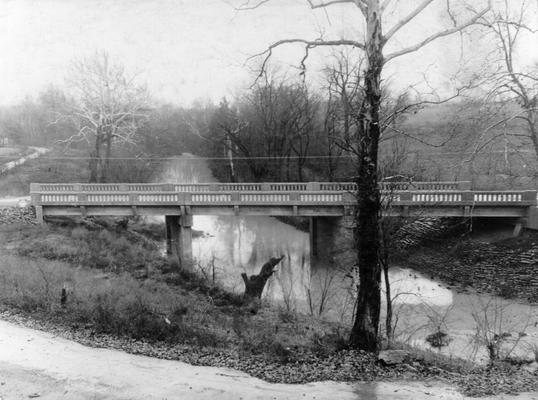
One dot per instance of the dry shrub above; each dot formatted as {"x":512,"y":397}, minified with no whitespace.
{"x":116,"y":304}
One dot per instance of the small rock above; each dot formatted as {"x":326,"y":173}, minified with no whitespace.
{"x":392,"y":357}
{"x":438,"y":339}
{"x":532,"y":367}
{"x":410,"y":368}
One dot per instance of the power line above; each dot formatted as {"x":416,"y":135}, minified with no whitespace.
{"x":275,"y":158}
{"x":179,"y":158}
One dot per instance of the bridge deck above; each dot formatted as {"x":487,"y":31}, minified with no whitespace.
{"x":301,"y":199}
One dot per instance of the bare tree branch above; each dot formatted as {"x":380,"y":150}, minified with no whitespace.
{"x":246,"y":6}
{"x":309,"y":44}
{"x":403,"y":133}
{"x":440,"y":34}
{"x":407,"y":19}
{"x":385,"y":4}
{"x":330,"y":3}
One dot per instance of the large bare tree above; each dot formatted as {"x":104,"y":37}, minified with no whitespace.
{"x":109,"y":108}
{"x":371,"y":14}
{"x":271,"y":128}
{"x":513,"y":85}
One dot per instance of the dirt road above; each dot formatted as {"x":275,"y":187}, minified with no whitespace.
{"x":35,"y":364}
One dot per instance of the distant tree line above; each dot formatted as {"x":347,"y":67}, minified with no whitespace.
{"x":278,"y":130}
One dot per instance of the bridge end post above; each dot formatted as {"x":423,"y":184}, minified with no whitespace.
{"x":35,"y":198}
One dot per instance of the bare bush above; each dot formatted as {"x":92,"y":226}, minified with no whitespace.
{"x":493,"y":328}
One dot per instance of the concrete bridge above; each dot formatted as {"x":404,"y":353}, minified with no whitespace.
{"x":178,"y":202}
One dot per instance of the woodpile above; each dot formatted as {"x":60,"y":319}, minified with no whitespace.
{"x":415,"y":232}
{"x":506,"y":270}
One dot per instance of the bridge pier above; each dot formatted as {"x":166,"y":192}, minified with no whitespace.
{"x":331,"y":241}
{"x":313,"y":236}
{"x":532,"y":218}
{"x":520,"y":224}
{"x":179,"y":240}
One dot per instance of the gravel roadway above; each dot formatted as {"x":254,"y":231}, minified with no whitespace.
{"x":36,"y":364}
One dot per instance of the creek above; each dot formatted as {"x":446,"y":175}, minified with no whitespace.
{"x":229,"y":246}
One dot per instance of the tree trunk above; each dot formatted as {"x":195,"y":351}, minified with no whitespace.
{"x":93,"y":167}
{"x":228,"y":152}
{"x":108,"y":153}
{"x":95,"y":160}
{"x":364,"y":334}
{"x":255,"y":284}
{"x":531,"y":124}
{"x":388,"y":299}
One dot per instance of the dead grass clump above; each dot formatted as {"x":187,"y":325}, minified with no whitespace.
{"x":108,"y":303}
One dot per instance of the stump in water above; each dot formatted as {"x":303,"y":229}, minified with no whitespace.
{"x":254,"y":284}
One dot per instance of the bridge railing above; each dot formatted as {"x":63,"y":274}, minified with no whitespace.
{"x":209,"y":194}
{"x":241,"y":187}
{"x":466,"y":198}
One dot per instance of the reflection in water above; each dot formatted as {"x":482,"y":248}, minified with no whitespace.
{"x":410,"y":287}
{"x":232,"y":245}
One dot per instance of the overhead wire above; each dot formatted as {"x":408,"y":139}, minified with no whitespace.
{"x":194,"y":157}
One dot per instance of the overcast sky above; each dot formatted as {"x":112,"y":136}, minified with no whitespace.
{"x":190,"y":50}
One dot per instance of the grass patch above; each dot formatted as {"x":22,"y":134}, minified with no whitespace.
{"x":108,"y":303}
{"x":100,"y":270}
{"x":47,"y":168}
{"x":99,"y":248}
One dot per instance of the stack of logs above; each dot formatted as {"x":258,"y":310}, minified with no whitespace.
{"x":414,"y":232}
{"x":508,"y":271}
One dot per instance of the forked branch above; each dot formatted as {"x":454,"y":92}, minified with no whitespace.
{"x":446,"y":32}
{"x":308,"y":45}
{"x":407,"y":19}
{"x":314,"y":5}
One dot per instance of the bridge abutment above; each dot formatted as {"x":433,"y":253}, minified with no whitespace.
{"x":39,"y":214}
{"x":532,"y":218}
{"x":179,"y":240}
